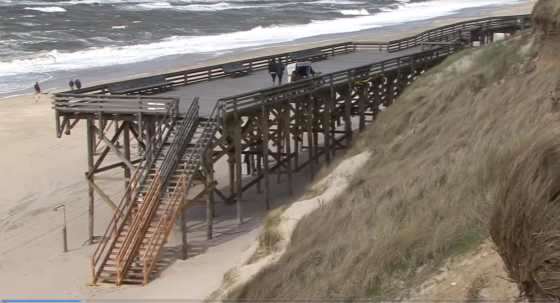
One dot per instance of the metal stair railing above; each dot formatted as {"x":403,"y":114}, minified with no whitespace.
{"x":179,"y":194}
{"x":124,"y":208}
{"x":138,"y":227}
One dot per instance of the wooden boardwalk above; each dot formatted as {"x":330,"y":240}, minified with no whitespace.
{"x":185,"y":122}
{"x":209,"y":92}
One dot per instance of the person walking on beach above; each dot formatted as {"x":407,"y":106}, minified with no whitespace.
{"x":37,"y":91}
{"x":272,"y":70}
{"x":78,"y":84}
{"x":71,"y":84}
{"x":37,"y":88}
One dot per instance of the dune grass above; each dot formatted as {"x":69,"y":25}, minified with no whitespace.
{"x":438,"y":155}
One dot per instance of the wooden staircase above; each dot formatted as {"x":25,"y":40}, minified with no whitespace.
{"x":158,"y":190}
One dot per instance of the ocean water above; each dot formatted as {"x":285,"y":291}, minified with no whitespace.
{"x":39,"y":38}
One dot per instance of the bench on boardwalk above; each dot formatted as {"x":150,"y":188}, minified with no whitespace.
{"x":361,"y":73}
{"x":143,"y":85}
{"x":236,"y":69}
{"x":308,"y":55}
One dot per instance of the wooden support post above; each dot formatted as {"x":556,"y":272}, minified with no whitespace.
{"x":231,"y":165}
{"x":90,"y":154}
{"x":210,"y":206}
{"x":296,"y":131}
{"x":279,"y":141}
{"x":140,"y":136}
{"x":362,"y":106}
{"x":126,"y":143}
{"x":309,"y":124}
{"x":390,"y":91}
{"x":348,"y":113}
{"x":150,"y":148}
{"x":259,"y":165}
{"x":315,"y":129}
{"x":288,"y":145}
{"x":184,"y":246}
{"x":332,"y":107}
{"x":116,"y":126}
{"x":264,"y":147}
{"x":103,"y":195}
{"x":326,"y":129}
{"x":238,"y":167}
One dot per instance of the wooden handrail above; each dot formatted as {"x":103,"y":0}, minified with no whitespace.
{"x":179,"y":194}
{"x":124,"y":208}
{"x":107,"y":103}
{"x":125,"y":201}
{"x":163,"y":227}
{"x":141,"y":221}
{"x":207,"y":73}
{"x":124,"y":256}
{"x":253,"y":99}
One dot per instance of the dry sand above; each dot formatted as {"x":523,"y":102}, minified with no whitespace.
{"x":40,"y":171}
{"x":476,"y":277}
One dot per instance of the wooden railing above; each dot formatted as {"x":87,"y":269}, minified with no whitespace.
{"x":207,"y":73}
{"x":114,"y":104}
{"x":142,"y":218}
{"x":103,"y":250}
{"x":124,"y":208}
{"x":163,"y":227}
{"x":126,"y":251}
{"x":179,"y":195}
{"x":254,"y":99}
{"x":448,"y":32}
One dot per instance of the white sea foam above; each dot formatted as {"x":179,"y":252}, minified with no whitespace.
{"x":258,"y":36}
{"x":47,"y":9}
{"x":354,"y":12}
{"x":209,"y":6}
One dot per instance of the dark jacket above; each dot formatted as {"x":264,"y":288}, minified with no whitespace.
{"x":278,"y":68}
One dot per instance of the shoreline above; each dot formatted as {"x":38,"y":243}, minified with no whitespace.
{"x":98,"y":75}
{"x":42,"y":172}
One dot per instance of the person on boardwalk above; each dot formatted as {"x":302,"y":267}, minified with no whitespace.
{"x":272,"y":70}
{"x":279,"y":69}
{"x":78,"y":83}
{"x":37,"y":89}
{"x":71,"y":84}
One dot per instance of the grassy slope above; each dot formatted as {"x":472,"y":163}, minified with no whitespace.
{"x":425,"y":193}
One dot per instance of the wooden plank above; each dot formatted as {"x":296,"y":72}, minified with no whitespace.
{"x":90,"y":154}
{"x":264,"y":147}
{"x":115,"y":150}
{"x":103,"y":195}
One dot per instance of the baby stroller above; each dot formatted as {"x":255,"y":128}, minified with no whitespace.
{"x":303,"y":70}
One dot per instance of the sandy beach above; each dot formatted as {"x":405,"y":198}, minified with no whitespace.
{"x":41,"y":172}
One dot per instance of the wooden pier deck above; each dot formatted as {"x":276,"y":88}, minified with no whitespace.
{"x":184,"y":122}
{"x":211,"y":91}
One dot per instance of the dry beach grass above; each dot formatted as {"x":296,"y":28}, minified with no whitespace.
{"x":438,"y":160}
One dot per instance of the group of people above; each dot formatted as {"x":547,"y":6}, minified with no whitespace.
{"x":295,"y":71}
{"x":75,"y":83}
{"x":276,"y":70}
